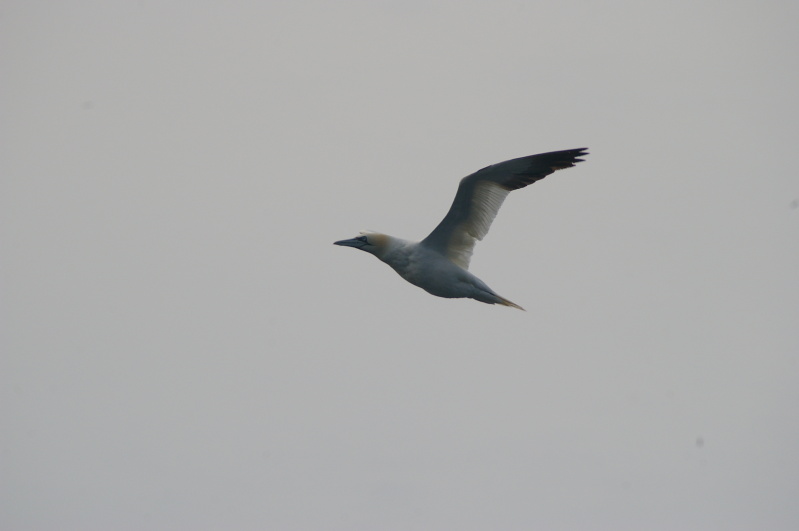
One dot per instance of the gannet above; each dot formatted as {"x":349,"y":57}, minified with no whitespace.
{"x":439,"y":264}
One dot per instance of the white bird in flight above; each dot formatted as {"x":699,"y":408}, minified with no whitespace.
{"x":439,"y":264}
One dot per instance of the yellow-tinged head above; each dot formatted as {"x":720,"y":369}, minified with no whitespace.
{"x":369,"y":241}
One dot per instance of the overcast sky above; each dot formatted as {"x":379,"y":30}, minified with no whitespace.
{"x":184,"y":348}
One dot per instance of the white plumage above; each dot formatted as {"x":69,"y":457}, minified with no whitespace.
{"x":439,"y":264}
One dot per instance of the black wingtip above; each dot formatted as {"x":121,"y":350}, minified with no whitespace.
{"x":536,"y":167}
{"x":558,"y":160}
{"x":576,"y":154}
{"x":580,"y":152}
{"x":573,"y":153}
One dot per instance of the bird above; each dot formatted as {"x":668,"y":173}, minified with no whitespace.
{"x":439,"y":264}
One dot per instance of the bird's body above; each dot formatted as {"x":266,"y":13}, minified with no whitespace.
{"x":439,"y":263}
{"x":424,"y":266}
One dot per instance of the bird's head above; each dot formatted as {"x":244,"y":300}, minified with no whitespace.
{"x":371,"y":242}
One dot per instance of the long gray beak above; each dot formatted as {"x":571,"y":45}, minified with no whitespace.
{"x":350,"y":243}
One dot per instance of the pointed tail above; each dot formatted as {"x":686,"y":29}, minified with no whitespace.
{"x":505,"y":302}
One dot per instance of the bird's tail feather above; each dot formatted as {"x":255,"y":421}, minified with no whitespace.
{"x":505,"y":302}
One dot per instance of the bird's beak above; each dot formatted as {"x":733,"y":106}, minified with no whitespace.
{"x":349,"y":243}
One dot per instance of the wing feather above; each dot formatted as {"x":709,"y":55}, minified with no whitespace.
{"x":480,"y":196}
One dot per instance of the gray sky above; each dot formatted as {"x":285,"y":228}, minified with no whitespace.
{"x":184,"y":348}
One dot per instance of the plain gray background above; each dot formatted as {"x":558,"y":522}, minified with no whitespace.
{"x":184,"y":348}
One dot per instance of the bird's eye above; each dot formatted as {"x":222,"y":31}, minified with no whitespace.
{"x":362,"y":239}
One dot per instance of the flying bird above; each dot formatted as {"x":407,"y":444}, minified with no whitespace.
{"x":439,"y":264}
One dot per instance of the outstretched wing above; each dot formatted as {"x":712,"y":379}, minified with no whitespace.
{"x":481,"y":194}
